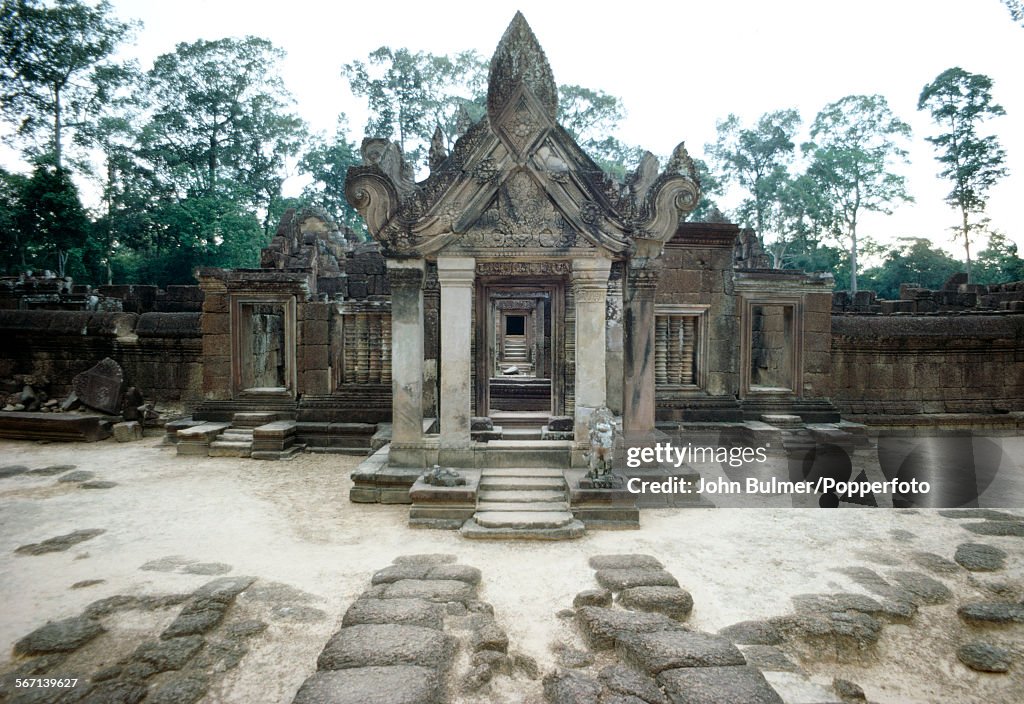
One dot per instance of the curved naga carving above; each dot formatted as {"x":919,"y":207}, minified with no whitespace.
{"x":372,"y":194}
{"x":674,"y":193}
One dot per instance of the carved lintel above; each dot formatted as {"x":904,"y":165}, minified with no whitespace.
{"x":556,"y":268}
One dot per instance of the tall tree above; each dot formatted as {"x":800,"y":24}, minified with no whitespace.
{"x":959,"y":101}
{"x":51,"y":218}
{"x":1016,"y":8}
{"x":999,"y":262}
{"x":57,"y":72}
{"x":410,"y":94}
{"x":592,"y":117}
{"x":854,"y":145}
{"x":755,"y":159}
{"x":220,"y":124}
{"x":327,"y":163}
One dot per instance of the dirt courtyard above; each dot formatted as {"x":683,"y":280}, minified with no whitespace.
{"x":171,"y":524}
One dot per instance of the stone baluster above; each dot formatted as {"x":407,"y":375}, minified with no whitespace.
{"x":362,"y":349}
{"x":675,"y":358}
{"x":385,"y":349}
{"x":374,"y":372}
{"x":688,"y":349}
{"x":661,"y":350}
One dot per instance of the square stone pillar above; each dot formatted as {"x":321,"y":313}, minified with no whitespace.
{"x":455,"y":276}
{"x":406,"y":278}
{"x":638,"y":382}
{"x":590,"y":289}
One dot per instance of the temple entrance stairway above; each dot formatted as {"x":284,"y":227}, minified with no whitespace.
{"x":529,"y":503}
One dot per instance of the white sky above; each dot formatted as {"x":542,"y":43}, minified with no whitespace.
{"x":678,"y":67}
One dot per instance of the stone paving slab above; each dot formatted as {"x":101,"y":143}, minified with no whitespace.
{"x":619,"y":579}
{"x":718,"y":685}
{"x":442,"y":590}
{"x":400,"y":684}
{"x":372,"y":645}
{"x":602,"y":626}
{"x":406,"y":612}
{"x":667,"y":650}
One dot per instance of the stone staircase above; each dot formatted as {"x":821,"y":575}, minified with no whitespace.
{"x":523,"y":503}
{"x":236,"y":441}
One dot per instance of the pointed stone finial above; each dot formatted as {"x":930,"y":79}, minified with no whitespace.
{"x":519,"y":59}
{"x":438,"y":153}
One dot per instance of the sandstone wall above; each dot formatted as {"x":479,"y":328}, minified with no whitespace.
{"x":159,"y":352}
{"x":899,"y":364}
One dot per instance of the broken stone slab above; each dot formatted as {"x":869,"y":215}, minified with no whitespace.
{"x":567,"y":687}
{"x":624,"y":562}
{"x":753,"y":633}
{"x":128,"y":431}
{"x":100,"y":387}
{"x":672,"y":601}
{"x":629,"y":682}
{"x":834,"y":633}
{"x":12,"y":470}
{"x":168,"y":653}
{"x":667,"y":650}
{"x":76,"y":477}
{"x":978,"y":557}
{"x":718,"y":685}
{"x":407,"y":612}
{"x":488,"y":635}
{"x":991,"y":613}
{"x":440,"y":590}
{"x":984,"y":657}
{"x":430,"y":559}
{"x":592,"y":597}
{"x":59,"y":636}
{"x":400,"y":684}
{"x":224,"y":589}
{"x":924,"y":589}
{"x":572,"y":658}
{"x":59,"y":543}
{"x":378,"y":645}
{"x":207,"y":568}
{"x":985,"y":514}
{"x":601,"y":627}
{"x":848,"y":691}
{"x":394,"y":573}
{"x":126,"y":691}
{"x":98,"y":485}
{"x":619,"y":579}
{"x":935,"y":563}
{"x":181,"y":690}
{"x":768,"y":658}
{"x":197,"y":617}
{"x":460,"y":573}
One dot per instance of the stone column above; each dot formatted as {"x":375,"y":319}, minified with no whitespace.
{"x":590,"y":290}
{"x":455,"y":276}
{"x":639,"y":361}
{"x":406,"y":277}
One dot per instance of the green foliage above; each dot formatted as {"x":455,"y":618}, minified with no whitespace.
{"x":56,"y":71}
{"x":853,"y":148}
{"x":755,"y":159}
{"x":410,"y":94}
{"x":328,"y":164}
{"x":592,"y":117}
{"x":999,"y":262}
{"x":51,"y":222}
{"x":913,"y":261}
{"x":1016,"y":8}
{"x":710,"y":186}
{"x":959,"y":101}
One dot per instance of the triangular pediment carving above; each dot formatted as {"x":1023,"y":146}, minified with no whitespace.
{"x":518,"y":179}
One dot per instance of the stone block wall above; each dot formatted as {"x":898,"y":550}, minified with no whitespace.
{"x":160,"y":353}
{"x":908,"y":364}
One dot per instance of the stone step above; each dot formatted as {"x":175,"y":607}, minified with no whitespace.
{"x":253,"y":419}
{"x":230,"y":448}
{"x":486,"y":506}
{"x":473,"y":530}
{"x":238,"y":432}
{"x":520,"y":433}
{"x":521,"y":496}
{"x":521,"y":472}
{"x":522,"y":484}
{"x":523,"y":519}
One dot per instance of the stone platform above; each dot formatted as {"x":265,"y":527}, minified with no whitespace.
{"x":60,"y":427}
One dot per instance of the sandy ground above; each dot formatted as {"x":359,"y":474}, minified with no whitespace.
{"x":290,"y":523}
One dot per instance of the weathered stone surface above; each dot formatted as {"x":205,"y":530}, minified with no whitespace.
{"x":52,"y":469}
{"x":833,"y":634}
{"x":221,"y":655}
{"x":207,"y":568}
{"x":768,"y":658}
{"x":114,"y":692}
{"x":181,"y":690}
{"x":401,"y":684}
{"x":75,"y":477}
{"x":477,"y":677}
{"x":111,"y":604}
{"x":667,"y":650}
{"x":601,"y":627}
{"x":488,"y":635}
{"x":978,"y":557}
{"x":461,"y":573}
{"x":985,"y":514}
{"x":831,"y":603}
{"x":991,"y":613}
{"x":98,"y":485}
{"x":1002,"y":528}
{"x":409,"y":612}
{"x":935,"y":563}
{"x":87,"y":583}
{"x":984,"y":657}
{"x":925,"y":590}
{"x":59,"y":636}
{"x":752,"y":633}
{"x":848,"y":691}
{"x":198,"y":616}
{"x":168,"y":653}
{"x":592,"y":597}
{"x":442,"y":590}
{"x":127,"y":431}
{"x":567,"y":687}
{"x":572,"y":658}
{"x":672,"y":601}
{"x":244,"y":629}
{"x":718,"y":685}
{"x":624,"y":680}
{"x":624,"y":562}
{"x":59,"y":543}
{"x":373,"y":645}
{"x":224,"y":589}
{"x":297,"y":613}
{"x":12,"y":470}
{"x":626,"y":578}
{"x":521,"y":662}
{"x":100,"y":387}
{"x":393,"y":573}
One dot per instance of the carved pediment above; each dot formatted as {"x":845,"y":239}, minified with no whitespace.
{"x":517,"y":179}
